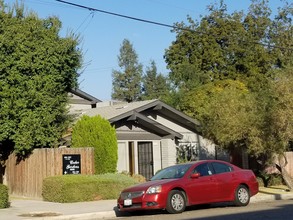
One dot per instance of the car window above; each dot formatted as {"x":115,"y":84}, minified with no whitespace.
{"x":203,"y":169}
{"x":221,"y":168}
{"x":172,"y":172}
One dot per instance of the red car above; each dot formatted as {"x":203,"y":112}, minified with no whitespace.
{"x":181,"y":185}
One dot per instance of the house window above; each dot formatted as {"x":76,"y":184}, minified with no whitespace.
{"x":187,"y":151}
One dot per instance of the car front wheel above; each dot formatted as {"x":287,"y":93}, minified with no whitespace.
{"x":242,"y":196}
{"x":176,"y":202}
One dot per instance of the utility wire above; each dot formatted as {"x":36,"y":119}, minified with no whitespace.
{"x":129,"y":17}
{"x":160,"y":24}
{"x":116,"y":14}
{"x":92,"y":15}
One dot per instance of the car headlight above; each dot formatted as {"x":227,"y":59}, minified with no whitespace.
{"x":154,"y":189}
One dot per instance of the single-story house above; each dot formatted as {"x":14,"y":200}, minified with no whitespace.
{"x":151,"y":134}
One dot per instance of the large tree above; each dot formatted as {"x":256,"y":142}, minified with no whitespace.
{"x":126,"y":83}
{"x":236,"y":118}
{"x":230,"y":46}
{"x":225,"y":109}
{"x":37,"y":70}
{"x":154,"y":85}
{"x":280,"y":125}
{"x":232,"y":72}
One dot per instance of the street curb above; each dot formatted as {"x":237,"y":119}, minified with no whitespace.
{"x":112,"y":214}
{"x":84,"y":216}
{"x":271,"y":197}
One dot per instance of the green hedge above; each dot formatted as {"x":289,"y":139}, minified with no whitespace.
{"x":268,"y":180}
{"x":4,"y":197}
{"x":97,"y":132}
{"x":79,"y":188}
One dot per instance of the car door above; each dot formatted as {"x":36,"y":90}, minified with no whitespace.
{"x":226,"y":180}
{"x":203,"y":189}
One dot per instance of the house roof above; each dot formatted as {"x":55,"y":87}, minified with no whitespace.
{"x":86,"y":96}
{"x":117,"y":110}
{"x":133,"y":110}
{"x":154,"y":125}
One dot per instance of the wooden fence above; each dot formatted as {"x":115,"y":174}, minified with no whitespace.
{"x":25,"y":178}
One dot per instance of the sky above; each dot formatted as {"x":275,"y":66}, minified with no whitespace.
{"x":102,"y":34}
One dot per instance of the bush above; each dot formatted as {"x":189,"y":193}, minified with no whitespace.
{"x":97,"y":132}
{"x":4,"y":197}
{"x":79,"y":188}
{"x":260,"y":181}
{"x":139,"y":178}
{"x":267,"y":180}
{"x":275,"y":180}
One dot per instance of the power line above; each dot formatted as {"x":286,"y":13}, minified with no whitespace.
{"x":92,"y":15}
{"x":116,"y":14}
{"x":161,"y":24}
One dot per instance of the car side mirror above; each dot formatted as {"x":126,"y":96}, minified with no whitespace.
{"x":195,"y":175}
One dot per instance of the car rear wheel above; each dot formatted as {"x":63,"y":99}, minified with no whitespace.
{"x":242,"y":196}
{"x":176,"y":202}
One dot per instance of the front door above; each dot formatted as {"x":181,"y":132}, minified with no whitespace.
{"x":145,"y":159}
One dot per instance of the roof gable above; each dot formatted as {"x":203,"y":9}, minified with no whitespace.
{"x":156,"y":127}
{"x":127,"y":111}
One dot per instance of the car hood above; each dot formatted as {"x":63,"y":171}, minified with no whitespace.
{"x":146,"y":185}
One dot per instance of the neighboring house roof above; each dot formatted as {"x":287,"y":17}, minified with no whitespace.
{"x":132,"y":112}
{"x":85,"y":96}
{"x":119,"y":109}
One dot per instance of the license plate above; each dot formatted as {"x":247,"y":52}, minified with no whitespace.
{"x":127,"y":202}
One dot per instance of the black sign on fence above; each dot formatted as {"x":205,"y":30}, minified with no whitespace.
{"x":71,"y":164}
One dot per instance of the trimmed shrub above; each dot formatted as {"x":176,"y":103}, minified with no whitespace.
{"x":97,"y":132}
{"x":275,"y":180}
{"x":267,"y":180}
{"x":4,"y":197}
{"x":139,"y":178}
{"x":79,"y":188}
{"x":260,"y":181}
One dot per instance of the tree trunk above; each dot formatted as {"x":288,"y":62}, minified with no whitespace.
{"x":281,"y":167}
{"x":1,"y":173}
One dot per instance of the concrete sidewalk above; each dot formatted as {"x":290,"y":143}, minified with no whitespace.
{"x":24,"y":209}
{"x":37,"y":209}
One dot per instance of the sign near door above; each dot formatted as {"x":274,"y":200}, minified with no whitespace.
{"x":71,"y":164}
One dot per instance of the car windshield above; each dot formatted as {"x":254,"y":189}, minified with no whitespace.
{"x":173,"y":172}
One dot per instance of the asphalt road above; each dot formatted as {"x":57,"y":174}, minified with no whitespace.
{"x":272,"y":210}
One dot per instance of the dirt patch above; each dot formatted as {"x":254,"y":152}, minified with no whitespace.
{"x":40,"y":214}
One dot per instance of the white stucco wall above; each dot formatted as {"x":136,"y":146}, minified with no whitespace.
{"x":157,"y":157}
{"x":168,"y":152}
{"x":169,"y":124}
{"x":123,"y":160}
